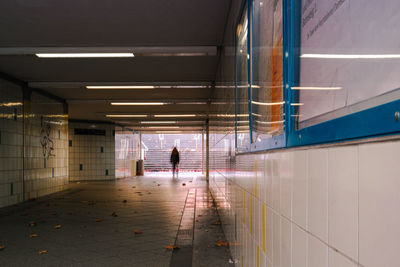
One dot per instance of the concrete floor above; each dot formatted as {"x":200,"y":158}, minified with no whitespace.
{"x":164,"y":210}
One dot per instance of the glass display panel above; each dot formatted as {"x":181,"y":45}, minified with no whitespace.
{"x":242,"y":84}
{"x":349,"y":58}
{"x":267,"y":72}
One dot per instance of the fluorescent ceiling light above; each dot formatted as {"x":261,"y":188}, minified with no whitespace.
{"x":270,"y":122}
{"x":315,"y":88}
{"x":230,"y":115}
{"x":108,"y":87}
{"x":191,"y":103}
{"x":163,"y":127}
{"x":125,"y":116}
{"x":184,"y":86}
{"x":344,"y":56}
{"x":157,"y":122}
{"x":268,"y":104}
{"x":11,"y":104}
{"x":83,"y":55}
{"x":175,"y":115}
{"x":138,"y":103}
{"x":118,"y":87}
{"x":168,"y":132}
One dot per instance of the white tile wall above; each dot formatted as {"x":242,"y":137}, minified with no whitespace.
{"x":343,"y":199}
{"x":317,"y":253}
{"x":11,"y":143}
{"x":86,"y":151}
{"x":318,"y":193}
{"x":337,"y":206}
{"x":379,"y":222}
{"x":299,"y":252}
{"x":45,"y":174}
{"x":300,"y":186}
{"x":338,"y":260}
{"x":25,"y":133}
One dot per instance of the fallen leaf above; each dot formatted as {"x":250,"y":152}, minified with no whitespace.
{"x":43,"y":252}
{"x":138,"y":232}
{"x":114,"y":214}
{"x":58,"y":226}
{"x":31,"y":224}
{"x":124,"y":201}
{"x":2,"y":247}
{"x":172,"y":247}
{"x":98,"y":220}
{"x":221,"y":243}
{"x":183,"y":184}
{"x":33,"y":235}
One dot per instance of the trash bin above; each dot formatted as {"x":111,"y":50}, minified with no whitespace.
{"x":133,"y":167}
{"x":140,"y":168}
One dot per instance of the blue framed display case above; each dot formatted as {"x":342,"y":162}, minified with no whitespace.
{"x":316,"y":111}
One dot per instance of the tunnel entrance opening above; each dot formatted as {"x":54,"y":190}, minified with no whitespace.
{"x":157,"y":148}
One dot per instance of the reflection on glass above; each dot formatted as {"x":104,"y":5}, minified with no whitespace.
{"x":242,"y":58}
{"x":267,"y":74}
{"x":349,"y":58}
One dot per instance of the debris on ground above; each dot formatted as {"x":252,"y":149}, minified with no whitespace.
{"x":133,"y":186}
{"x":158,"y":184}
{"x":43,"y":252}
{"x":221,"y":243}
{"x":217,"y":223}
{"x":33,"y":235}
{"x":114,"y":214}
{"x":137,"y":232}
{"x":183,"y":184}
{"x":32,"y":224}
{"x":99,"y":220}
{"x":2,"y":247}
{"x":124,"y":201}
{"x":172,"y":247}
{"x":58,"y":226}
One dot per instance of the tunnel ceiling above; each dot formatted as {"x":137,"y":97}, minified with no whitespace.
{"x":174,"y":41}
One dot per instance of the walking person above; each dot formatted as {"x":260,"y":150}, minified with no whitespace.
{"x":174,"y":160}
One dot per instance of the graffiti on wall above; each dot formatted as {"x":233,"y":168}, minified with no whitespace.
{"x":45,"y":140}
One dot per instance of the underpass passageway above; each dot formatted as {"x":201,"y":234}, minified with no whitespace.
{"x":128,"y":222}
